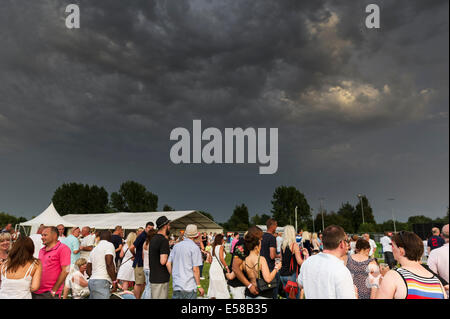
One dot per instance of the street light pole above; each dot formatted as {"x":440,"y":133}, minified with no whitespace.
{"x":312,"y":215}
{"x":296,"y":218}
{"x":392,"y":210}
{"x":321,"y":211}
{"x":362,"y":208}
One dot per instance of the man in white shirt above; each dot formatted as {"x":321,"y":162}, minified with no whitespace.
{"x":87,"y":242}
{"x":373,"y":246}
{"x":438,"y":259}
{"x":324,"y":276}
{"x":386,"y":242}
{"x":279,"y":242}
{"x":101,"y":268}
{"x":37,"y":241}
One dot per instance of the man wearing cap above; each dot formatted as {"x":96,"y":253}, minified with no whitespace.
{"x":159,"y":254}
{"x":184,"y":265}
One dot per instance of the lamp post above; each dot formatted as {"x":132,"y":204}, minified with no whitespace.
{"x":362,"y":208}
{"x":296,"y":207}
{"x":321,"y":211}
{"x":312,"y":216}
{"x":392,"y":210}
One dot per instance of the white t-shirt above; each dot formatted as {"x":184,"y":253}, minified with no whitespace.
{"x":37,"y":241}
{"x":373,"y":246}
{"x":97,"y":259}
{"x":324,"y":276}
{"x":279,"y":243}
{"x":387,"y":243}
{"x":87,"y":241}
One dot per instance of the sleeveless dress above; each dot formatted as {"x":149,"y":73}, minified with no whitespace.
{"x":126,"y":270}
{"x":218,"y":287}
{"x":419,"y":287}
{"x":16,"y":288}
{"x":360,"y":274}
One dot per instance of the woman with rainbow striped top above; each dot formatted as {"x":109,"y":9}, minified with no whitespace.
{"x":411,"y":280}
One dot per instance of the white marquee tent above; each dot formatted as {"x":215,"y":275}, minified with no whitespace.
{"x":48,"y":217}
{"x":132,"y":221}
{"x":129,"y":221}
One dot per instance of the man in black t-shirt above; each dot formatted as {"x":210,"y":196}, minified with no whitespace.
{"x":269,"y":247}
{"x":117,"y":241}
{"x":159,"y":254}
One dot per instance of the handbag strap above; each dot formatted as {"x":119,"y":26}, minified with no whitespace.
{"x":291,"y":266}
{"x":220,"y":263}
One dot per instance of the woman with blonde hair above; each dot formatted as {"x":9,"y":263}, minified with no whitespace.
{"x":306,"y":241}
{"x":315,"y":244}
{"x":78,"y":281}
{"x":291,"y":258}
{"x":126,"y":270}
{"x":5,"y":246}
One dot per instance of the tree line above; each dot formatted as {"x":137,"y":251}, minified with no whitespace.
{"x":74,"y":198}
{"x":287,"y":198}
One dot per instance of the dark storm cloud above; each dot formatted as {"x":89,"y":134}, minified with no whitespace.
{"x":137,"y":69}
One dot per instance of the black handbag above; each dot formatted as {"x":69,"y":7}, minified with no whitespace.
{"x":262,"y":284}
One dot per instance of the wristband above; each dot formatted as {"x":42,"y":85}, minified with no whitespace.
{"x":249,"y":286}
{"x":199,"y":286}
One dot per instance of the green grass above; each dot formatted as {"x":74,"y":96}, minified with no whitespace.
{"x":204,"y":282}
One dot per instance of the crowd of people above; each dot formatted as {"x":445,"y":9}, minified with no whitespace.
{"x":264,"y":265}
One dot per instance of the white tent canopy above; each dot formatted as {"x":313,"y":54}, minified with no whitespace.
{"x":48,"y":217}
{"x":132,"y":221}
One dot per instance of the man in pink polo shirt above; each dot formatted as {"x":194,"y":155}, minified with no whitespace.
{"x":55,"y":259}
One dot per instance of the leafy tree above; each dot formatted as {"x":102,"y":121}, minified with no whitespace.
{"x":259,"y":220}
{"x":239,"y":220}
{"x":73,"y":198}
{"x":347,"y":211}
{"x":206,"y":214}
{"x":421,"y":219}
{"x":367,"y":228}
{"x":368,"y":213}
{"x":285,"y":199}
{"x":134,"y":197}
{"x":6,"y":219}
{"x":167,"y":208}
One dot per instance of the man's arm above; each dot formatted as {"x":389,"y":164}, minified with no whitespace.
{"x":61,"y":278}
{"x":169,"y":267}
{"x":110,"y":268}
{"x":196,"y":271}
{"x":163,"y":259}
{"x":89,"y":270}
{"x":237,"y":262}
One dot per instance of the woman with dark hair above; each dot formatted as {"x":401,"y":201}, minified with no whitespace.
{"x":411,"y":280}
{"x":256,"y":267}
{"x":218,"y":288}
{"x":21,"y":273}
{"x":360,"y":266}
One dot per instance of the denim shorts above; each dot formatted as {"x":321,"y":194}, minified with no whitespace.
{"x":99,"y":289}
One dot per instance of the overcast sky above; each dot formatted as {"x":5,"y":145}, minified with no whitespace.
{"x":358,"y":110}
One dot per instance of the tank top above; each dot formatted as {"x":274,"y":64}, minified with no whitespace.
{"x":266,"y":294}
{"x":419,"y":287}
{"x":288,"y":263}
{"x":16,"y":288}
{"x":145,"y":257}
